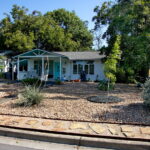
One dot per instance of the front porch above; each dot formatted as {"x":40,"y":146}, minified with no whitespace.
{"x":39,"y":64}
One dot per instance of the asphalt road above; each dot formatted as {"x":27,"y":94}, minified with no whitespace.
{"x":12,"y":147}
{"x":10,"y":143}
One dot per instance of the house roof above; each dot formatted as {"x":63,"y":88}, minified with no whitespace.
{"x":86,"y":55}
{"x":5,"y":52}
{"x":37,"y":53}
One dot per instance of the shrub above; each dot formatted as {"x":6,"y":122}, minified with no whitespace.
{"x":121,"y":75}
{"x":146,"y":93}
{"x":2,"y":76}
{"x":30,"y":96}
{"x":58,"y":82}
{"x":33,"y":82}
{"x":103,"y":85}
{"x":131,"y":79}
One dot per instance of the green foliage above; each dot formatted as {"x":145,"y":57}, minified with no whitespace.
{"x":112,"y":60}
{"x":103,"y":85}
{"x":121,"y":75}
{"x":146,"y":93}
{"x":59,"y":30}
{"x":125,"y":75}
{"x":130,"y":19}
{"x":2,"y":76}
{"x":58,"y":82}
{"x":72,"y":25}
{"x":30,"y":96}
{"x":32,"y":82}
{"x":19,"y":41}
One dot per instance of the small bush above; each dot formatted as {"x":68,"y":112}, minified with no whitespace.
{"x":103,"y":85}
{"x":32,"y":82}
{"x":58,"y":82}
{"x":30,"y":96}
{"x":121,"y":75}
{"x":2,"y":76}
{"x":146,"y":93}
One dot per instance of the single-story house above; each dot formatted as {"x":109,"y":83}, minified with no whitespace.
{"x":59,"y":65}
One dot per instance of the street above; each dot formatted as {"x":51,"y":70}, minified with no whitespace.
{"x":10,"y":143}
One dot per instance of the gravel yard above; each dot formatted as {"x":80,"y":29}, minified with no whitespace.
{"x":69,"y":102}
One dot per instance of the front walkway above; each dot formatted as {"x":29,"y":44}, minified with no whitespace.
{"x":98,"y":129}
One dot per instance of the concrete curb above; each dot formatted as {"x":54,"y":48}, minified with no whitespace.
{"x":75,"y":140}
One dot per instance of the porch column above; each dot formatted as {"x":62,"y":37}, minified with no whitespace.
{"x":42,"y":68}
{"x":60,"y":68}
{"x":18,"y":66}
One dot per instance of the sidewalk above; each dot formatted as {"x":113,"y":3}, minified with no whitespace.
{"x":82,"y":128}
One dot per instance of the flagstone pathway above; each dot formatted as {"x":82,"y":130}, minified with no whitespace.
{"x":101,"y":129}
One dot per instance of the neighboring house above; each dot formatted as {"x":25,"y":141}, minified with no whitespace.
{"x":4,"y":61}
{"x":59,"y":65}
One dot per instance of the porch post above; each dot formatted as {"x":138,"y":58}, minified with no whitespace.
{"x":42,"y":68}
{"x":18,"y":66}
{"x":60,"y":68}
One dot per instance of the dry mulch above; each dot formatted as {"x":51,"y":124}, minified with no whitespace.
{"x":69,"y":102}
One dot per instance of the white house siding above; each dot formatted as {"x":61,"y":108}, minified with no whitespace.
{"x":98,"y":70}
{"x":67,"y":65}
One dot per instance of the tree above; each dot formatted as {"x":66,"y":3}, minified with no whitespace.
{"x":73,"y":25}
{"x":112,"y":60}
{"x":130,"y":19}
{"x":59,"y":30}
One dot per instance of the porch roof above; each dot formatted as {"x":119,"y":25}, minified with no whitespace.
{"x":38,"y":53}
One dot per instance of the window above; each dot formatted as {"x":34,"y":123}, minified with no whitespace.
{"x":35,"y":65}
{"x":86,"y":69}
{"x":91,"y":69}
{"x":64,"y":70}
{"x":75,"y":69}
{"x":80,"y":68}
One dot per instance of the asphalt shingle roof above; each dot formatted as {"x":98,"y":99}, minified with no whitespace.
{"x":88,"y":55}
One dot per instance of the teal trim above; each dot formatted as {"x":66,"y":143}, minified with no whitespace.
{"x":37,"y":52}
{"x":21,"y":62}
{"x":56,"y":70}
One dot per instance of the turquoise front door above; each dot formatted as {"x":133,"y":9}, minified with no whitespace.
{"x":57,"y":70}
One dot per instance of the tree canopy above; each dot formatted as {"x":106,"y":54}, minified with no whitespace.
{"x":131,"y":20}
{"x":59,"y":30}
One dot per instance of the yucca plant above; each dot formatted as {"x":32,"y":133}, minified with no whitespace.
{"x":30,"y":96}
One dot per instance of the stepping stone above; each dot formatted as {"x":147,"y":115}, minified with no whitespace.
{"x":60,"y":126}
{"x":145,"y":130}
{"x":12,"y":122}
{"x":58,"y":129}
{"x":113,"y":131}
{"x":46,"y":123}
{"x":97,"y":128}
{"x":127,"y":129}
{"x":78,"y":126}
{"x":31,"y":122}
{"x":128,"y":134}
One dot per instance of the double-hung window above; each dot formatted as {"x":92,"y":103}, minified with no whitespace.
{"x":80,"y":68}
{"x":91,"y":69}
{"x":75,"y":68}
{"x":88,"y":68}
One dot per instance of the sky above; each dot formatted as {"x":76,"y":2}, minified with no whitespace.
{"x":83,"y":8}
